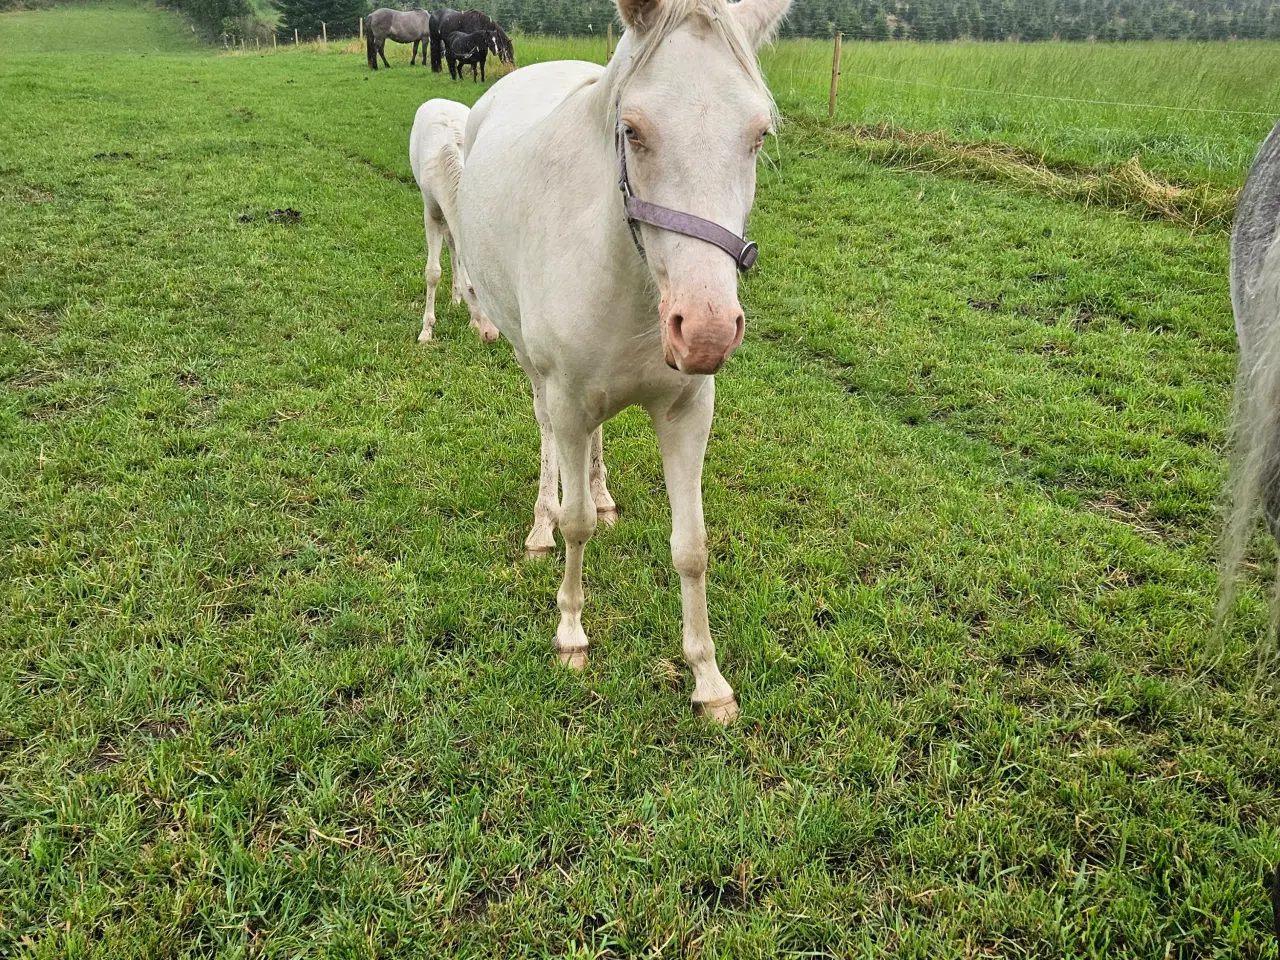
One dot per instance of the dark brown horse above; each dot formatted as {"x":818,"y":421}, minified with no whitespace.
{"x":446,"y":21}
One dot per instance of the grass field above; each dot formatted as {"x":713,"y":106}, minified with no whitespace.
{"x":1223,"y":98}
{"x":276,"y":681}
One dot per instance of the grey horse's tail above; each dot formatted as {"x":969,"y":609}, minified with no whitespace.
{"x":370,"y":47}
{"x":1254,"y":485}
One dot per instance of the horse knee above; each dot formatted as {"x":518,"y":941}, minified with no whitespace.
{"x":689,"y":556}
{"x":578,"y":520}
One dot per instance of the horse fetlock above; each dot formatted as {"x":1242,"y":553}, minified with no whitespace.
{"x":570,"y":642}
{"x":541,"y":540}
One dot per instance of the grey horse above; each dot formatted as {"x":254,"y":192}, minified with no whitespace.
{"x":403,"y":26}
{"x":1255,"y":298}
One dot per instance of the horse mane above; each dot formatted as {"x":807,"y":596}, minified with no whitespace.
{"x":449,"y":167}
{"x":670,"y":15}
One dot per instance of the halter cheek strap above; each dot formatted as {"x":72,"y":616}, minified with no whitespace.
{"x":743,"y":251}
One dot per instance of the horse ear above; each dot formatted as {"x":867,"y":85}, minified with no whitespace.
{"x":638,"y":14}
{"x":759,"y":19}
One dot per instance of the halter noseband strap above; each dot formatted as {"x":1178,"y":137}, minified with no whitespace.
{"x":743,"y":251}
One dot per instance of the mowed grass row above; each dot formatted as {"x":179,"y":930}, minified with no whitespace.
{"x":276,"y":681}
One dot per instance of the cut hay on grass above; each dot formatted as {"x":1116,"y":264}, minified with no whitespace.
{"x":1127,"y":186}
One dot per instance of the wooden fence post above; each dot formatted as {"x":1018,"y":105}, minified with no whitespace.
{"x":324,"y":27}
{"x":273,"y":41}
{"x":362,"y":28}
{"x":257,"y":44}
{"x":835,"y":78}
{"x":608,"y":43}
{"x":295,"y":36}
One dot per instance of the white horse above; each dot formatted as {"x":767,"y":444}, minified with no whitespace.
{"x":435,"y":154}
{"x":604,"y":312}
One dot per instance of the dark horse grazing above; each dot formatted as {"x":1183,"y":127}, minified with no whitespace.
{"x":461,"y":49}
{"x":403,"y":26}
{"x":446,"y":21}
{"x":1255,"y":298}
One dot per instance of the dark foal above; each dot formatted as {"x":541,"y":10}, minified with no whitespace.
{"x":469,"y":48}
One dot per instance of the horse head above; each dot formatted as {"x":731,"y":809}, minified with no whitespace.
{"x":688,"y":141}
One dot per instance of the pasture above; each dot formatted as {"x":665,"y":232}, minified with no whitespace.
{"x":276,"y":681}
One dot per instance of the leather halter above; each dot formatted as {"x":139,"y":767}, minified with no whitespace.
{"x":743,"y":251}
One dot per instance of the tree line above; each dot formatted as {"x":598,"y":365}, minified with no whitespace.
{"x":922,"y":20}
{"x":942,"y":20}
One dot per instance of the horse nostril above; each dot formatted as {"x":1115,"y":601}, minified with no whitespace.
{"x":673,"y":329}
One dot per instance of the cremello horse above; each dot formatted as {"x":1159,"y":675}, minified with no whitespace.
{"x":605,"y":312}
{"x":435,"y":154}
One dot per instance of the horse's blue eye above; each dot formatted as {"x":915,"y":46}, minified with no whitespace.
{"x":631,"y":134}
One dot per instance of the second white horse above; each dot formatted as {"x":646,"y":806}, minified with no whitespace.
{"x":435,"y":154}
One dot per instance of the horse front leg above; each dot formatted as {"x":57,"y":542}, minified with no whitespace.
{"x":414,"y":57}
{"x":682,"y":437}
{"x":577,"y":523}
{"x":382,"y":51}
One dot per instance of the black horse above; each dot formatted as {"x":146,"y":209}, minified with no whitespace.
{"x":446,"y":21}
{"x":461,"y":49}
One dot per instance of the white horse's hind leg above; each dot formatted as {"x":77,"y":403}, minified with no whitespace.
{"x":606,"y":509}
{"x":577,"y":524}
{"x":459,"y":274}
{"x":463,"y":290}
{"x":542,"y":540}
{"x":435,"y":240}
{"x":682,"y":436}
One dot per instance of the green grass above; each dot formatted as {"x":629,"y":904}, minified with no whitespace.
{"x":95,"y":28}
{"x":276,"y":682}
{"x":915,"y":86}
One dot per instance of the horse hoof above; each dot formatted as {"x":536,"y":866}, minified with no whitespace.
{"x":607,"y":515}
{"x":574,"y":658}
{"x":723,"y":711}
{"x":424,"y":336}
{"x":537,"y":553}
